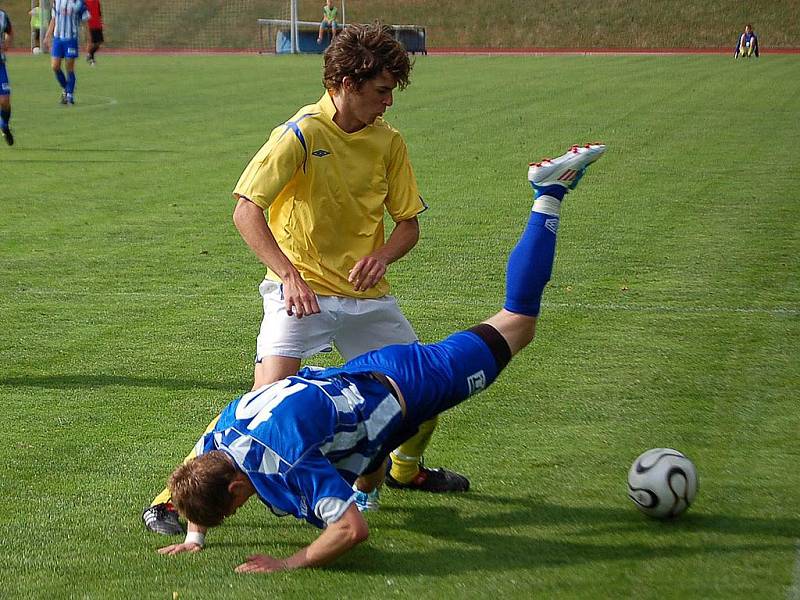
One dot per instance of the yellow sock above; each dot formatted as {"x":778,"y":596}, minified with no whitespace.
{"x":165,"y":495}
{"x":406,"y":458}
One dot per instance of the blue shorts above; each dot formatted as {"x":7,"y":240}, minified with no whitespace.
{"x":329,"y":24}
{"x":5,"y":85}
{"x":64,"y":48}
{"x":432,"y":377}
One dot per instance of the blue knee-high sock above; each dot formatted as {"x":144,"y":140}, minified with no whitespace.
{"x":531,"y":262}
{"x":71,"y":82}
{"x":61,"y":78}
{"x":5,"y":117}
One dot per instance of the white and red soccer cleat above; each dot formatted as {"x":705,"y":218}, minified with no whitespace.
{"x":567,"y":169}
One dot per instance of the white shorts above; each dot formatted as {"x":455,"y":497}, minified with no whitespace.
{"x":353,"y":325}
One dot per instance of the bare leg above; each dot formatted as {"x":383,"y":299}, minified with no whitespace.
{"x":370,"y":481}
{"x":274,"y":368}
{"x":518,"y":330}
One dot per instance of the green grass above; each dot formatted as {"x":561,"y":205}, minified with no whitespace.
{"x":456,"y":23}
{"x":128,"y":315}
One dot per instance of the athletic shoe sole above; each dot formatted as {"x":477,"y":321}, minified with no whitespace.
{"x":160,"y":519}
{"x":567,"y":169}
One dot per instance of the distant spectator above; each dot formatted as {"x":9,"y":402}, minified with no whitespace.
{"x":329,"y":12}
{"x":747,"y":45}
{"x":95,"y":29}
{"x":36,"y":27}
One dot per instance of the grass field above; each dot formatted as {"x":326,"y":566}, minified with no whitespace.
{"x":129,"y":309}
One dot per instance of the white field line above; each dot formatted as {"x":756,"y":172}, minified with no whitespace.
{"x":106,"y":101}
{"x":610,"y":307}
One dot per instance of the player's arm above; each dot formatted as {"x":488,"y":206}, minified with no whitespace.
{"x":195,"y":538}
{"x":368,"y":271}
{"x":48,"y":37}
{"x":249,"y":219}
{"x":403,"y":203}
{"x":8,"y":38}
{"x":262,"y":181}
{"x":336,"y":539}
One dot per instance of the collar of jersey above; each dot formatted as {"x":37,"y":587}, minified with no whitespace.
{"x":328,"y":108}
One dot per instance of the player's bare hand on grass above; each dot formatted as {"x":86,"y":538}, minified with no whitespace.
{"x":262,"y":563}
{"x":367,"y":272}
{"x":300,"y":300}
{"x":180,"y":548}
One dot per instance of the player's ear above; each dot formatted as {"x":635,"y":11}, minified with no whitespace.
{"x":349,"y":84}
{"x":237,"y":485}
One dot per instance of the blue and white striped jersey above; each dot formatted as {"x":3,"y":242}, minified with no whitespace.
{"x":302,"y":442}
{"x":5,"y":27}
{"x":68,"y":15}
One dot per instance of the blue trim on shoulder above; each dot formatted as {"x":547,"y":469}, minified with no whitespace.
{"x":294,"y":127}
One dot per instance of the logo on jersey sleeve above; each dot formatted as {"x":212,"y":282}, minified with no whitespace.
{"x":476,"y":382}
{"x":320,"y":153}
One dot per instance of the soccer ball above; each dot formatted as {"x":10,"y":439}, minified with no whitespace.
{"x":37,"y":50}
{"x":662,"y":483}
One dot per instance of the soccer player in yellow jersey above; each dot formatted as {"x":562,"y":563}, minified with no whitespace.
{"x":310,"y":205}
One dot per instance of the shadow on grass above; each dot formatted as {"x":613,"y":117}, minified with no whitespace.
{"x":100,"y":381}
{"x":494,"y":542}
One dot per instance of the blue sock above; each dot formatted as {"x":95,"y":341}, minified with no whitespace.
{"x":531,"y":262}
{"x":71,"y":82}
{"x":62,"y":80}
{"x":5,"y":118}
{"x":554,"y":191}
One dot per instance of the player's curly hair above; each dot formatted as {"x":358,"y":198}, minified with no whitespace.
{"x":199,"y":488}
{"x":363,"y":52}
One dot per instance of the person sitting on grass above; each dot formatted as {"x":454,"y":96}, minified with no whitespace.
{"x":747,"y":45}
{"x":305,"y":444}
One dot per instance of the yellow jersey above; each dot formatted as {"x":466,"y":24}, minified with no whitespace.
{"x":325,"y":192}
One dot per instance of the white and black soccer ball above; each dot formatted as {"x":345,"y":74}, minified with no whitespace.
{"x":662,"y":483}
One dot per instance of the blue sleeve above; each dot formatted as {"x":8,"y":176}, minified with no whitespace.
{"x":325,"y":493}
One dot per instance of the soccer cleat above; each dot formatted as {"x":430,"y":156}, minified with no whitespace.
{"x":368,"y":501}
{"x":567,"y":169}
{"x":432,"y":480}
{"x":162,"y":518}
{"x":70,"y":99}
{"x":63,"y":98}
{"x":6,"y":131}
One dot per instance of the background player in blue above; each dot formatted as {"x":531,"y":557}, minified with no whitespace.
{"x":6,"y":36}
{"x":67,"y":16}
{"x":747,"y":44}
{"x":300,"y":443}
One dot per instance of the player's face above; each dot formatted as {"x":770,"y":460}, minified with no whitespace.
{"x":373,"y":98}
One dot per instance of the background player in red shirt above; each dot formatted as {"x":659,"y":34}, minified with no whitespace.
{"x":95,"y":29}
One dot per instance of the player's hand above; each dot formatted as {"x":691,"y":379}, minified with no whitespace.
{"x":262,"y":563}
{"x":300,"y":300}
{"x":367,"y":272}
{"x":180,"y":548}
